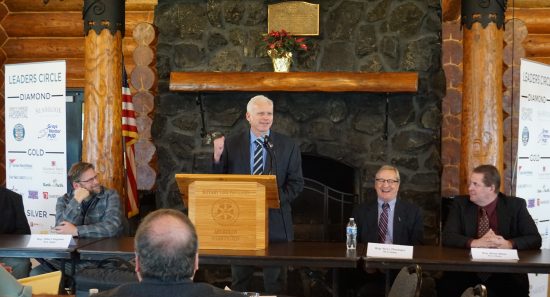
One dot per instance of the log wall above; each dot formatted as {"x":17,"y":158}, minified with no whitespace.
{"x":531,"y":37}
{"x":31,"y":31}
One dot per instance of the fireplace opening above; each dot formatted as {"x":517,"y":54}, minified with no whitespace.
{"x":321,"y":212}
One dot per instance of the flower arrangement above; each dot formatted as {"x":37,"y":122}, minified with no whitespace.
{"x":281,"y":44}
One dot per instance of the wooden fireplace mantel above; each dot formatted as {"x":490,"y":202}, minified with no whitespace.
{"x":384,"y":82}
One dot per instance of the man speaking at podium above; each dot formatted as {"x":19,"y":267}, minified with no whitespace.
{"x":262,"y":151}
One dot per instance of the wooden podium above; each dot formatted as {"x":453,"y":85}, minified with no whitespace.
{"x":229,"y":210}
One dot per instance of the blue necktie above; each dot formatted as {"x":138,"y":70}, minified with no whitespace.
{"x":258,"y":167}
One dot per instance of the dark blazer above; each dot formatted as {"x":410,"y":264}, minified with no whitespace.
{"x":514,"y":223}
{"x":235,"y":159}
{"x":408,"y":225}
{"x":12,"y":213}
{"x":153,"y":288}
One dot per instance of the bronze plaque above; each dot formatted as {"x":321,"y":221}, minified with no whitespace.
{"x":296,"y":17}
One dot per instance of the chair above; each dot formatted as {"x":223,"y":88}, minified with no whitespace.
{"x":477,"y":291}
{"x":408,"y":282}
{"x":47,"y":283}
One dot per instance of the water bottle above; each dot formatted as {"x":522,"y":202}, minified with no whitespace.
{"x":351,"y":234}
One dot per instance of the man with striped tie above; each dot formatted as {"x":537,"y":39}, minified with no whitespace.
{"x":262,"y":151}
{"x":388,"y":220}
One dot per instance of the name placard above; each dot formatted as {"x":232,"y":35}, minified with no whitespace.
{"x":393,"y":251}
{"x":59,"y":241}
{"x":480,"y":254}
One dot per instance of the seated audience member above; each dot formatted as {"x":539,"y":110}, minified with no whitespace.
{"x":9,"y":287}
{"x":166,"y":247}
{"x":389,"y":220}
{"x":89,"y":210}
{"x":488,"y":219}
{"x":14,"y":221}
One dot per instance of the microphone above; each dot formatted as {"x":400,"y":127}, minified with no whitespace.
{"x":273,"y":171}
{"x":272,"y":161}
{"x":267,"y":142}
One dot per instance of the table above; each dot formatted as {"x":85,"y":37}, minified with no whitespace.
{"x":15,"y":245}
{"x":455,"y":259}
{"x":307,"y":254}
{"x":440,"y":258}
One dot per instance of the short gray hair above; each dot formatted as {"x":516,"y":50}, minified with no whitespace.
{"x":166,"y":258}
{"x":257,"y":99}
{"x":390,"y":168}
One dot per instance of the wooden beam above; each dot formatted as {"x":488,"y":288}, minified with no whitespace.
{"x":537,"y":45}
{"x":529,"y":3}
{"x":71,"y":47}
{"x":537,"y":20}
{"x":71,"y":5}
{"x":393,"y":82}
{"x":61,"y":23}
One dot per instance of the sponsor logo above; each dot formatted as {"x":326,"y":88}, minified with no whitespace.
{"x":34,"y":213}
{"x":45,"y":195}
{"x":20,"y":112}
{"x":525,"y":172}
{"x":54,"y":183}
{"x":18,"y":132}
{"x":14,"y":164}
{"x":50,"y":132}
{"x":534,"y":158}
{"x":525,"y":136}
{"x":523,"y":186}
{"x":544,"y":137}
{"x":20,"y":177}
{"x":527,"y":114}
{"x":530,"y":203}
{"x":33,"y":194}
{"x":48,"y":111}
{"x":53,"y":169}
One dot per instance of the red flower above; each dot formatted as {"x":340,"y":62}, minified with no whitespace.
{"x":281,"y":42}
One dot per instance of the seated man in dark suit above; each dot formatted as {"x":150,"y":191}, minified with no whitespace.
{"x":14,"y":221}
{"x":488,"y":219}
{"x":166,"y":260}
{"x":388,"y":220}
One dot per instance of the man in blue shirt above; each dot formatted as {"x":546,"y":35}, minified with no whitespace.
{"x":260,"y":150}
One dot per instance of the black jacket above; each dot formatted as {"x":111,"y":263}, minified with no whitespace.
{"x":235,"y":159}
{"x":12,"y":213}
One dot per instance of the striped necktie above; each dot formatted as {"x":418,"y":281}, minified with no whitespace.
{"x":258,"y":167}
{"x":383,"y":223}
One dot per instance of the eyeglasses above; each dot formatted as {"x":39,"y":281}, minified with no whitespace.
{"x":390,"y":182}
{"x":89,"y":180}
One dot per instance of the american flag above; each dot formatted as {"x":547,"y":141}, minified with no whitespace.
{"x":130,"y":137}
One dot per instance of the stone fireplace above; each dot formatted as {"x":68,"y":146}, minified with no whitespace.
{"x":359,"y":131}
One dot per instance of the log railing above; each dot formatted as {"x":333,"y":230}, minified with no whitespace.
{"x":387,"y":82}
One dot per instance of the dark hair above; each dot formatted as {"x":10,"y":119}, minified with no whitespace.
{"x":491,"y":176}
{"x":77,"y":169}
{"x":166,"y":258}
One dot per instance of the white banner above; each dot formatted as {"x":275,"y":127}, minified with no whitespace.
{"x":533,"y":164}
{"x":36,"y":141}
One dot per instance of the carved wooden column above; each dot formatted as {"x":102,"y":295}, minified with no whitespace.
{"x":481,"y":139}
{"x":102,"y":143}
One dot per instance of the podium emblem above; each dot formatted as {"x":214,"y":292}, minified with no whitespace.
{"x":225,"y":211}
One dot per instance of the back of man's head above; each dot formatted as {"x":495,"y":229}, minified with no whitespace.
{"x":166,"y":245}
